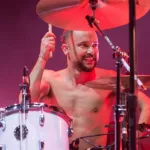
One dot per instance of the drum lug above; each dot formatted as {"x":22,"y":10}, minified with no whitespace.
{"x":2,"y":119}
{"x":2,"y":125}
{"x":70,"y":132}
{"x":70,"y":129}
{"x":2,"y":147}
{"x":42,"y":144}
{"x":42,"y":119}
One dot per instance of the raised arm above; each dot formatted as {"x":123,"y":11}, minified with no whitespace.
{"x":39,"y":85}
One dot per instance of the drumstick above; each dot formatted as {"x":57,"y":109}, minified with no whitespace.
{"x":50,"y":30}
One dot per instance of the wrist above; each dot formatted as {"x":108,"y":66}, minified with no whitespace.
{"x":43,"y":58}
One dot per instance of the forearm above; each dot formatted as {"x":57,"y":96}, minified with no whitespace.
{"x":35,"y":78}
{"x":144,"y":118}
{"x":144,"y":105}
{"x":145,"y":115}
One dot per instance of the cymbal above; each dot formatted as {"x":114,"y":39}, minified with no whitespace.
{"x":70,"y":14}
{"x":144,"y":3}
{"x":109,"y":83}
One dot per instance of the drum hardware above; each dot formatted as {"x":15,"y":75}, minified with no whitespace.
{"x":42,"y":144}
{"x":26,"y":98}
{"x":2,"y":119}
{"x":42,"y":119}
{"x":143,"y":127}
{"x":20,"y":131}
{"x":17,"y":132}
{"x":70,"y":128}
{"x":2,"y":125}
{"x":70,"y":132}
{"x":124,"y":127}
{"x":2,"y":147}
{"x":117,"y":53}
{"x":42,"y":116}
{"x":75,"y":143}
{"x":109,"y":83}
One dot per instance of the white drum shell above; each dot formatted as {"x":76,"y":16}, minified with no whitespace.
{"x":54,"y":132}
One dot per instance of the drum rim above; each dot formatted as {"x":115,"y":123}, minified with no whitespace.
{"x":52,"y":108}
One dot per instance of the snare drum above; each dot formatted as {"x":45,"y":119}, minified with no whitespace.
{"x":45,"y":128}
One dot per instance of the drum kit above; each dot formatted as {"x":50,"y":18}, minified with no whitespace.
{"x":29,"y":126}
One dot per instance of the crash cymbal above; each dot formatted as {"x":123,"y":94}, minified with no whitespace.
{"x":71,"y":15}
{"x":49,"y":5}
{"x":109,"y":83}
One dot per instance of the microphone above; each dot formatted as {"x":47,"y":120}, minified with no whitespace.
{"x":25,"y":75}
{"x":26,"y":83}
{"x":25,"y":71}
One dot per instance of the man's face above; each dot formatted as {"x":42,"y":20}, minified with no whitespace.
{"x":83,"y":52}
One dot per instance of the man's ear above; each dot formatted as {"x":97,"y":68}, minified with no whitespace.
{"x":65,"y":49}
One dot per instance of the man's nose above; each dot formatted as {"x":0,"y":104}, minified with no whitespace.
{"x":90,"y":50}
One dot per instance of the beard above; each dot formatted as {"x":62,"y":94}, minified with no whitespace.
{"x":81,"y":66}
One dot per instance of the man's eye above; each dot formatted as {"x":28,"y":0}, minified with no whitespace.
{"x":95,"y":45}
{"x":85,"y":45}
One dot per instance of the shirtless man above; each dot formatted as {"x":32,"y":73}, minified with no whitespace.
{"x":90,"y":108}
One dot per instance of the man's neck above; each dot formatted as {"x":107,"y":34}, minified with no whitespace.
{"x":78,"y":77}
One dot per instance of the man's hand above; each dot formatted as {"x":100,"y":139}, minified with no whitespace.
{"x":47,"y":45}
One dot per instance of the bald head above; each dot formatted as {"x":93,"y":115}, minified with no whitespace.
{"x":69,"y":34}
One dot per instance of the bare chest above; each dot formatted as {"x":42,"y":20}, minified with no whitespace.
{"x":80,"y":100}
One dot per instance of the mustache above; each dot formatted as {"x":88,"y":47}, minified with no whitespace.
{"x":90,"y":56}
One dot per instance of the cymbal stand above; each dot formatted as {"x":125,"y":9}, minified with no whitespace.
{"x":132,"y":98}
{"x":119,"y":109}
{"x":124,"y":125}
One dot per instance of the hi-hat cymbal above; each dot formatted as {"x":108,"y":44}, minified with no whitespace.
{"x":71,"y":15}
{"x":109,"y":83}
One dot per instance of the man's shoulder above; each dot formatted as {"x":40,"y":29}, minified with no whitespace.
{"x":52,"y":73}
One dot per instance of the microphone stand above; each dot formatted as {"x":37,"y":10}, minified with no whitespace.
{"x":23,"y":130}
{"x":119,"y":56}
{"x":25,"y":90}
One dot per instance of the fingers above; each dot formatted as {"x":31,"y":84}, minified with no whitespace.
{"x":47,"y":45}
{"x":49,"y":34}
